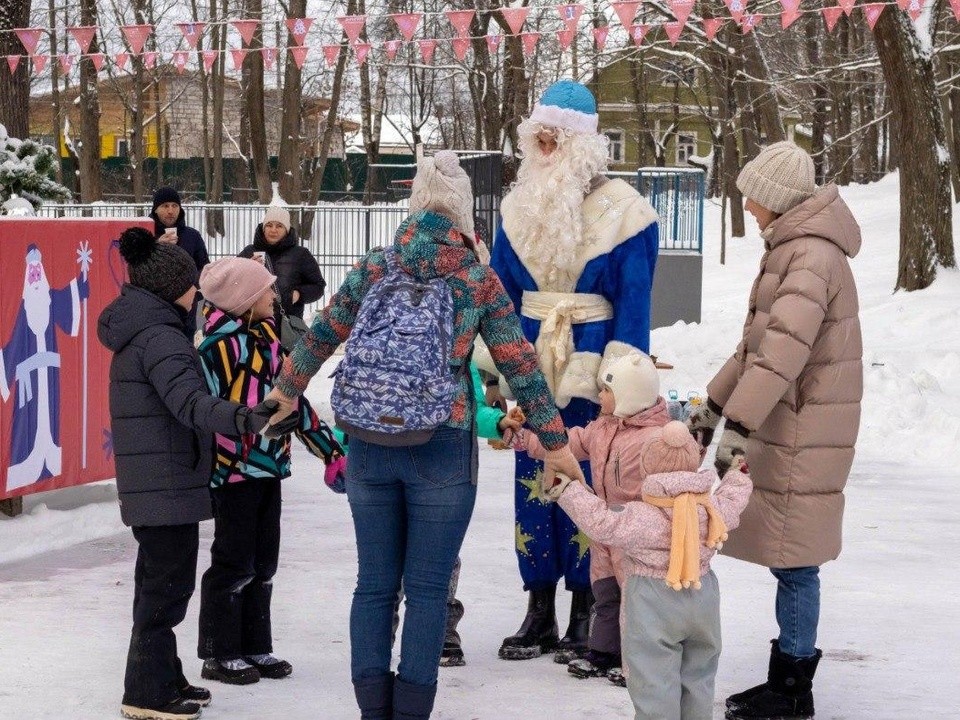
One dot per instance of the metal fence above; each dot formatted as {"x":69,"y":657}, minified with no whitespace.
{"x":677,"y":195}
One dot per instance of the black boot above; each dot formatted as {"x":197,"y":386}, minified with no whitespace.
{"x":787,"y":695}
{"x":375,"y":697}
{"x":538,"y":633}
{"x":574,"y":642}
{"x":412,"y":702}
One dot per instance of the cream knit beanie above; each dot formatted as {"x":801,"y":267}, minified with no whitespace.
{"x":443,"y":187}
{"x":275,"y":213}
{"x":234,"y":284}
{"x":634,"y":382}
{"x":779,"y":178}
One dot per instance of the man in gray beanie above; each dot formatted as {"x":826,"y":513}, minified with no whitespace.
{"x":790,"y":397}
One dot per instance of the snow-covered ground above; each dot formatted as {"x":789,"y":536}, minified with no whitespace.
{"x":890,"y":609}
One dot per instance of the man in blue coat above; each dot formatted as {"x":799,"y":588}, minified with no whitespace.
{"x":576,"y":252}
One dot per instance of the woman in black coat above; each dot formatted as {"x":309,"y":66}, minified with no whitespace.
{"x":299,"y":280}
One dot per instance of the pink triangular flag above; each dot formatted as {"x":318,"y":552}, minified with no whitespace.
{"x":407,"y":23}
{"x":460,"y":20}
{"x":12,"y":62}
{"x":39,"y":63}
{"x":711,"y":26}
{"x":681,"y":10}
{"x":565,"y":37}
{"x":330,"y":53}
{"x":299,"y":27}
{"x":626,"y":11}
{"x":66,"y":63}
{"x":493,"y":43}
{"x":352,"y":25}
{"x":788,"y":17}
{"x":427,"y":48}
{"x":30,"y":38}
{"x":790,"y":5}
{"x":361,"y":50}
{"x":192,"y":32}
{"x":673,"y":30}
{"x":209,"y":58}
{"x":238,"y":57}
{"x":529,"y":40}
{"x":847,"y":6}
{"x":137,"y":36}
{"x":600,"y":36}
{"x":515,"y":18}
{"x":84,"y":35}
{"x":955,"y":6}
{"x":97,"y":59}
{"x":246,"y":28}
{"x":749,"y":22}
{"x":391,"y":47}
{"x":832,"y":15}
{"x":570,"y":14}
{"x":149,"y":60}
{"x":299,"y":55}
{"x":269,"y":56}
{"x":638,"y":32}
{"x":121,"y":60}
{"x":737,"y":8}
{"x":180,"y":60}
{"x":460,"y":47}
{"x":872,"y":12}
{"x":913,"y":7}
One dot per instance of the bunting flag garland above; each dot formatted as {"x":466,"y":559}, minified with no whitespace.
{"x":460,"y":21}
{"x":847,"y":6}
{"x":749,"y":22}
{"x":600,"y":36}
{"x":638,"y":32}
{"x":12,"y":62}
{"x":872,"y":13}
{"x":913,"y":7}
{"x":352,"y":25}
{"x":955,"y":6}
{"x":711,"y":26}
{"x":180,"y":60}
{"x":29,"y":38}
{"x":570,"y":14}
{"x":97,"y":59}
{"x":209,"y":58}
{"x":737,"y":9}
{"x":626,"y":11}
{"x":269,"y":56}
{"x":39,"y":63}
{"x":460,"y":47}
{"x":529,"y":40}
{"x":191,"y":32}
{"x":407,"y":23}
{"x":565,"y":37}
{"x":299,"y":53}
{"x":137,"y":36}
{"x":831,"y":15}
{"x":427,"y":48}
{"x":121,"y":60}
{"x":331,"y":52}
{"x":150,"y":60}
{"x":789,"y":17}
{"x":247,"y":29}
{"x":83,"y":35}
{"x":515,"y":18}
{"x":66,"y":63}
{"x":361,"y":50}
{"x":391,"y":47}
{"x":493,"y":43}
{"x":682,"y":9}
{"x":238,"y":57}
{"x":299,"y":27}
{"x":673,"y":30}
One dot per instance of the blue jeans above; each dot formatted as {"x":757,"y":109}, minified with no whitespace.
{"x":411,"y":507}
{"x":798,"y":609}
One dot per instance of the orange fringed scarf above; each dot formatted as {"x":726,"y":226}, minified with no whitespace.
{"x":684,"y":568}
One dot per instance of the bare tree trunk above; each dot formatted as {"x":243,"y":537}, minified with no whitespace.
{"x":926,"y":239}
{"x":288,"y":166}
{"x":204,"y":118}
{"x":763,"y":94}
{"x":155,"y":91}
{"x":818,"y":120}
{"x":217,"y":42}
{"x":253,"y":102}
{"x":14,"y":88}
{"x":841,"y":149}
{"x":55,"y":90}
{"x":953,"y":99}
{"x":90,"y":189}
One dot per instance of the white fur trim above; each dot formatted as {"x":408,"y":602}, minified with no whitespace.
{"x":4,"y":389}
{"x":566,"y":118}
{"x":75,"y":303}
{"x":579,"y":379}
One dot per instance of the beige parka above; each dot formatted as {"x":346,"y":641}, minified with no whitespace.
{"x":795,"y":382}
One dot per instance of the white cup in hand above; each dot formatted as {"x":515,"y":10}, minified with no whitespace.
{"x":169,"y":236}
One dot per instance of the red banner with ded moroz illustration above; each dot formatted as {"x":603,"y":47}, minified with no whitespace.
{"x":57,"y":276}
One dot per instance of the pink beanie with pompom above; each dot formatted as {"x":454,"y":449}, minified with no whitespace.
{"x":671,"y":449}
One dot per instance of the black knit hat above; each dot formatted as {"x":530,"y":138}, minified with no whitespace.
{"x":165,"y":195}
{"x":164,"y":269}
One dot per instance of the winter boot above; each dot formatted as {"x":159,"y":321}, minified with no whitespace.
{"x":578,"y":631}
{"x":375,"y":697}
{"x":232,"y":672}
{"x":412,"y":702}
{"x":740,"y":698}
{"x":593,"y":664}
{"x":199,"y":695}
{"x":178,"y":709}
{"x":616,"y":676}
{"x":452,"y":655}
{"x":787,"y":695}
{"x":269,"y":666}
{"x":538,"y":633}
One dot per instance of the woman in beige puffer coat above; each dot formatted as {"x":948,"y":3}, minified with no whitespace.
{"x":790,"y":395}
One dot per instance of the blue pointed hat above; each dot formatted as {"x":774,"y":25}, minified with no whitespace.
{"x":568,"y":105}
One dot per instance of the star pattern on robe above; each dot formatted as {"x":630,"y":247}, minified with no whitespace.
{"x":522,"y":539}
{"x":582,"y":541}
{"x":533,"y":486}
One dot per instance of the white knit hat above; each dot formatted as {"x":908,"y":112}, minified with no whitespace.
{"x":443,"y":187}
{"x":779,"y":178}
{"x":634,"y":382}
{"x":276,"y":213}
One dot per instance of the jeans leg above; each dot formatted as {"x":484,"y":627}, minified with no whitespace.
{"x":165,"y":577}
{"x":798,"y":609}
{"x":439,"y":502}
{"x":256,"y":628}
{"x":376,"y":501}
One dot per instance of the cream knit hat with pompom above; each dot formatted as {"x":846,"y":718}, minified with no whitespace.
{"x":443,"y":187}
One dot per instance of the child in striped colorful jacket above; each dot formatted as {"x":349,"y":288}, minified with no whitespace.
{"x":241,"y":354}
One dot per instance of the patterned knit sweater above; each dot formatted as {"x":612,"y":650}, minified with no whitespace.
{"x":427,"y":247}
{"x":239,"y":361}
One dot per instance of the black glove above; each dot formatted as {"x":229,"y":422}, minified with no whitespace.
{"x":733,"y":442}
{"x":255,"y":419}
{"x":703,"y":421}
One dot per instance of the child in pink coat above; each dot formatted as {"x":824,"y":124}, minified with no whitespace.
{"x":671,"y":599}
{"x":609,"y":443}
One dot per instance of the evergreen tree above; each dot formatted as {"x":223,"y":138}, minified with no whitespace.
{"x":26,"y":170}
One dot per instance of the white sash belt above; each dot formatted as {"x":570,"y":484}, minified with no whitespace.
{"x":558,"y":313}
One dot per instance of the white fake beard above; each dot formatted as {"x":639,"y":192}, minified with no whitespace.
{"x":36,"y":303}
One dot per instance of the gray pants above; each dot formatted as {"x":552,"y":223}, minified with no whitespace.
{"x":454,"y":609}
{"x":671,"y":646}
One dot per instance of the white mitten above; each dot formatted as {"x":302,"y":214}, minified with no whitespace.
{"x":579,"y":379}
